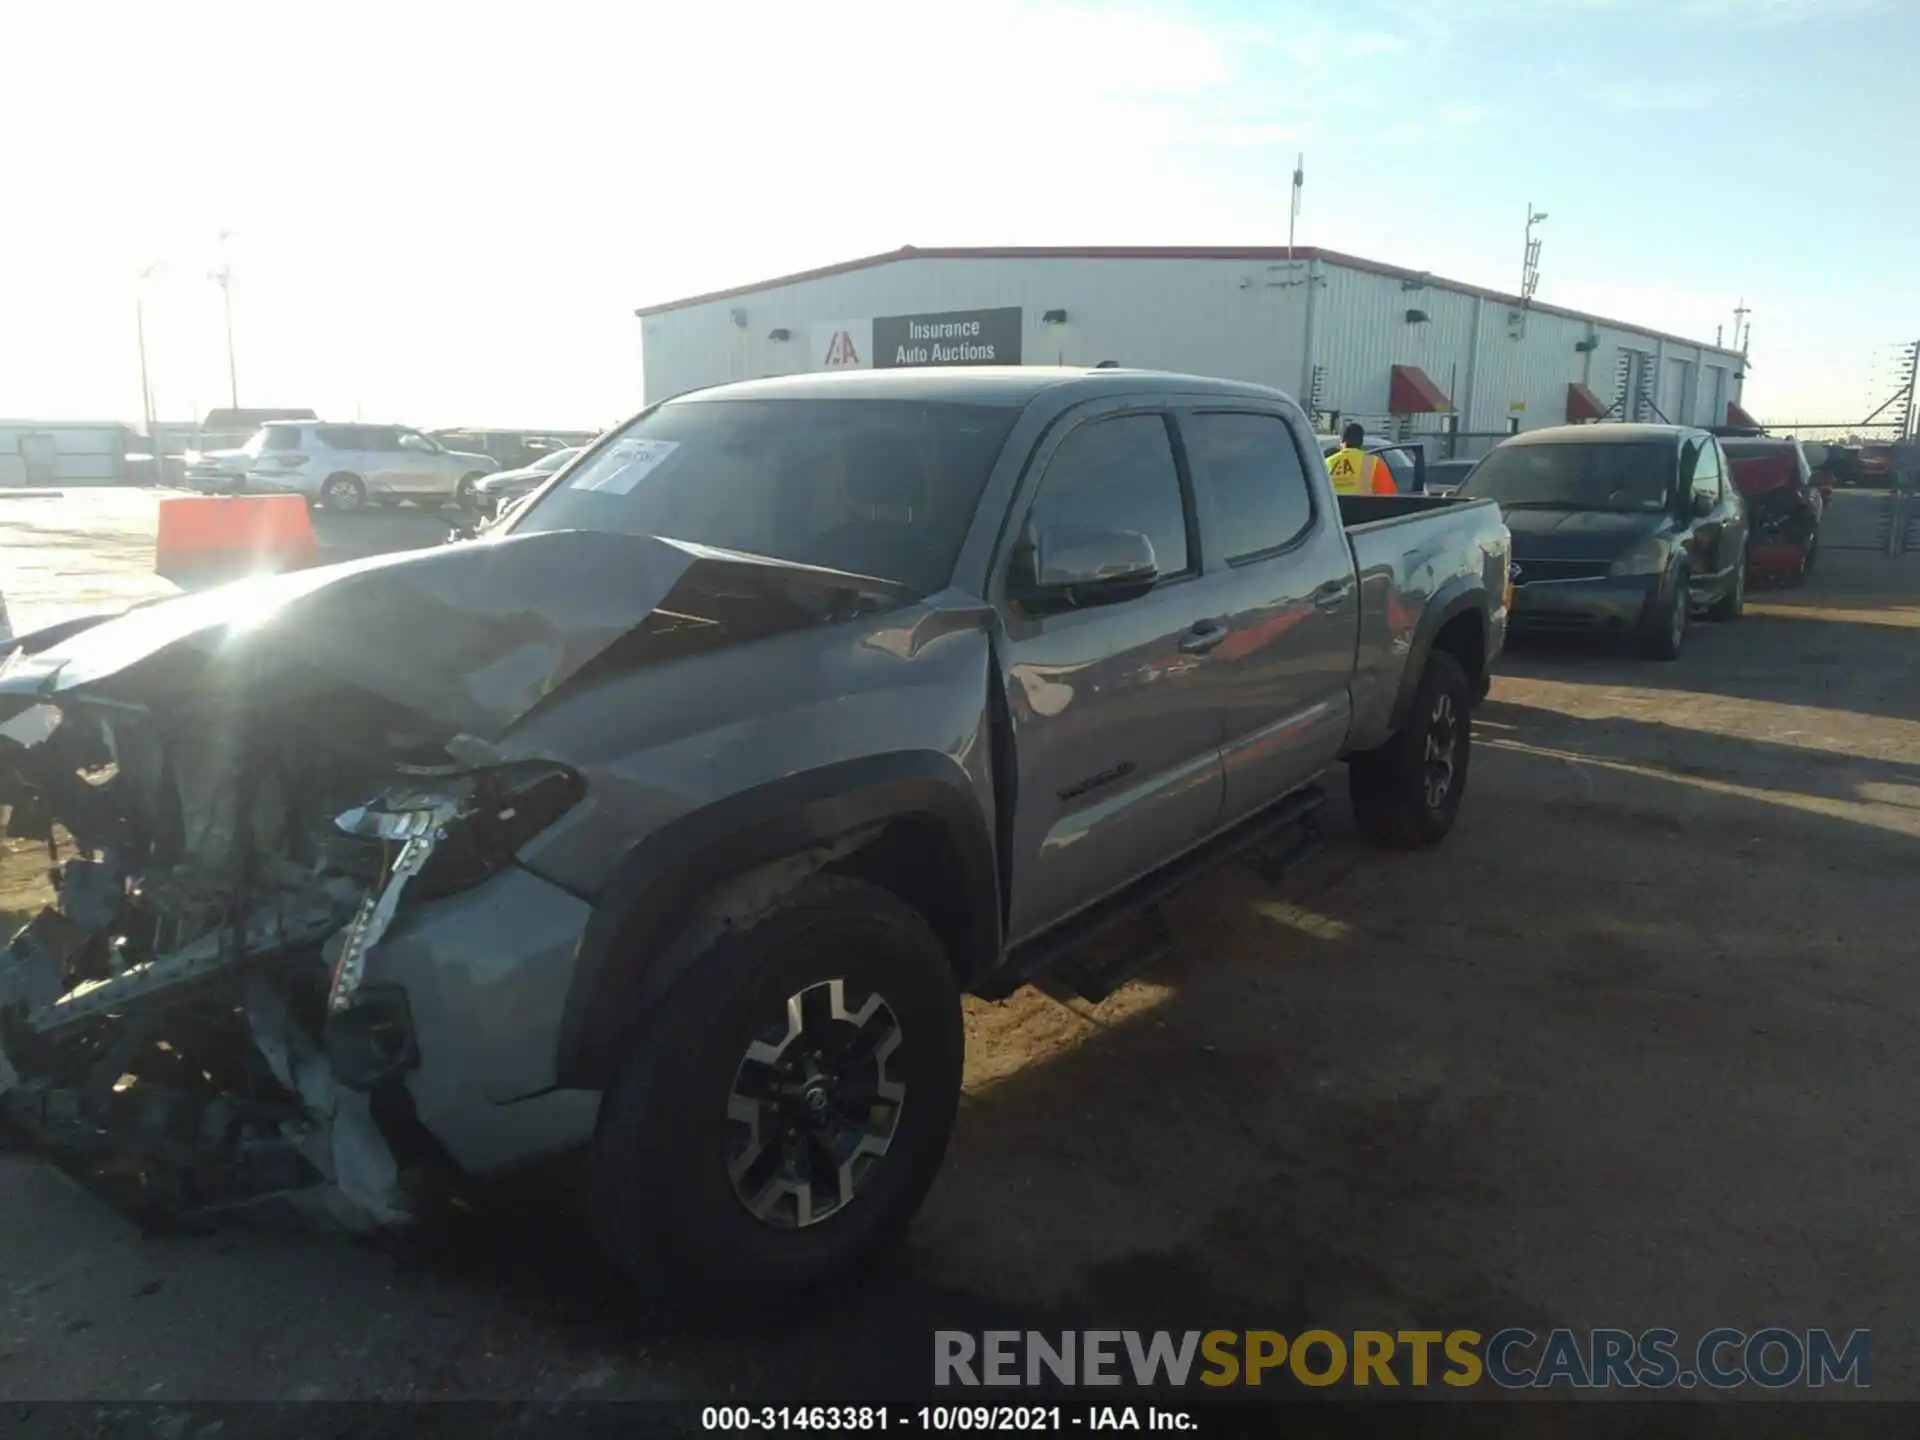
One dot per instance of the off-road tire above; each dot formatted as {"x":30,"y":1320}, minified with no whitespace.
{"x":1666,"y":636}
{"x":664,"y":1206}
{"x":1391,"y":787}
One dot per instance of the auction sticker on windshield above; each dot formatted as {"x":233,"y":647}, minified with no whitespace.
{"x":625,"y":465}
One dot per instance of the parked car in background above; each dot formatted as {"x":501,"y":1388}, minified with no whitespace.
{"x":344,"y":467}
{"x":1619,"y":530}
{"x":1785,"y":504}
{"x":497,"y":491}
{"x":1445,"y":476}
{"x":224,"y":472}
{"x":512,"y":449}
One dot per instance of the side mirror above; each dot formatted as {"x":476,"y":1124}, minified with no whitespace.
{"x":1079,"y":566}
{"x":1702,"y":506}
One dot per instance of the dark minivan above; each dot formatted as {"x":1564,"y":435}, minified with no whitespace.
{"x":1618,"y":529}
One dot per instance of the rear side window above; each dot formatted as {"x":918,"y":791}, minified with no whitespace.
{"x":1252,"y":471}
{"x":340,"y":437}
{"x":1119,"y":474}
{"x":283,"y":437}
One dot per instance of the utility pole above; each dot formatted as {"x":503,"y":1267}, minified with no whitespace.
{"x":146,"y":383}
{"x":223,"y":277}
{"x":1293,"y":210}
{"x":1740,"y":314}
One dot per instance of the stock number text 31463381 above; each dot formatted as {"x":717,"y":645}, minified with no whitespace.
{"x":785,"y":1418}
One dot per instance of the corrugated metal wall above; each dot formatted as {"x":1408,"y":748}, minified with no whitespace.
{"x":1241,"y":319}
{"x":1495,"y":365}
{"x":1237,"y":319}
{"x":62,"y":452}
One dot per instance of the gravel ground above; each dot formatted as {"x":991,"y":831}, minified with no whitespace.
{"x":1632,"y":1049}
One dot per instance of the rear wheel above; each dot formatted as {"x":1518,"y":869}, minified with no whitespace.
{"x":1406,"y":795}
{"x":343,"y":492}
{"x":788,"y":1105}
{"x":463,"y":492}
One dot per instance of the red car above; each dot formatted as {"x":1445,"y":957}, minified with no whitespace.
{"x":1785,"y":503}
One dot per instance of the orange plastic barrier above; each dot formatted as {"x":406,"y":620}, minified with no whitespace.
{"x":205,"y":539}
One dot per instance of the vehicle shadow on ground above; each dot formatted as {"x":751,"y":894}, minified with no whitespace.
{"x":1886,"y":787}
{"x":1828,"y":660}
{"x":1655,"y":1078}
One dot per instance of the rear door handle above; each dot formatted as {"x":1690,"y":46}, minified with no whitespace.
{"x":1204,"y":635}
{"x":1333,"y":594}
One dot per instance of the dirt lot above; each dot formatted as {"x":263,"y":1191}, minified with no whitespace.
{"x":1633,"y":1049}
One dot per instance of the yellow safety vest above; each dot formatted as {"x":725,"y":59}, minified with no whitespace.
{"x":1349,"y":468}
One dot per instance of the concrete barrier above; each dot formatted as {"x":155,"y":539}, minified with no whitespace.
{"x":204,"y":540}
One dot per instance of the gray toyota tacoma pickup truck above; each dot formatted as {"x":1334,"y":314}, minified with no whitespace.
{"x":666,"y":823}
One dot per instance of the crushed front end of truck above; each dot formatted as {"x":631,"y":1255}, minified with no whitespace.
{"x":187,"y":1020}
{"x":244,"y":794}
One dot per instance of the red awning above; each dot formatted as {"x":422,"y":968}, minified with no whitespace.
{"x":1737,"y":416}
{"x":1583,"y":404}
{"x":1412,"y":393}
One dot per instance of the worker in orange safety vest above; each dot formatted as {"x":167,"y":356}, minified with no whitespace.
{"x":1354,"y":471}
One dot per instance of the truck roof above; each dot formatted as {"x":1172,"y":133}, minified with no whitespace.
{"x":976,"y":384}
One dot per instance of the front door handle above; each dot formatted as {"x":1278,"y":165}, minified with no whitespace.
{"x":1333,"y":594}
{"x":1204,"y":635}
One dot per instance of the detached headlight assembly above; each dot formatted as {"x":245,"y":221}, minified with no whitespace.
{"x":1646,"y":556}
{"x":444,"y":838}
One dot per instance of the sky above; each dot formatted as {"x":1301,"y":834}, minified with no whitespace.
{"x":445,"y":214}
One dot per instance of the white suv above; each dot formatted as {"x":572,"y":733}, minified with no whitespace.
{"x":345,"y":467}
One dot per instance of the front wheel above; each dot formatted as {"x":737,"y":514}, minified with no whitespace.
{"x":463,"y":492}
{"x":1406,"y":795}
{"x":1733,"y":604}
{"x":1666,"y":636}
{"x":786,"y":1107}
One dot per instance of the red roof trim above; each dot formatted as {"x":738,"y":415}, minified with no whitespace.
{"x":1158,"y":252}
{"x":1411,"y":392}
{"x":1583,"y":404}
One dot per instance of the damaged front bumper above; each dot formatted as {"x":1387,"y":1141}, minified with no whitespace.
{"x":239,"y":1011}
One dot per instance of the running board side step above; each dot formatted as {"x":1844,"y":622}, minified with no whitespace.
{"x":1070,"y":958}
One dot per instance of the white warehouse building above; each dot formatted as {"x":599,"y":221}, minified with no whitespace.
{"x":1397,"y":349}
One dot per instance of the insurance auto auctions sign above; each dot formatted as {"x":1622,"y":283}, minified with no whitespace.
{"x":954,"y":337}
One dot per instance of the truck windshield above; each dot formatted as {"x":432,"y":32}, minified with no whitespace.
{"x":1572,"y":475}
{"x":885,"y":488}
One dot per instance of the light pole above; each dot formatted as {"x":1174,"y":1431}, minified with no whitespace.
{"x":1530,"y":256}
{"x":223,"y":277}
{"x":147,"y":415}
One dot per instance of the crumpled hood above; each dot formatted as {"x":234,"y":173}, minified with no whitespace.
{"x":1577,"y":534}
{"x":471,"y":636}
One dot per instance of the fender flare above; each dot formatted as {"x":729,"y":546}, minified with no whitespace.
{"x":626,"y":960}
{"x":1461,"y":595}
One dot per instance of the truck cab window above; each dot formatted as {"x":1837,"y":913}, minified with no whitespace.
{"x":1119,"y":474}
{"x":1253,"y":477}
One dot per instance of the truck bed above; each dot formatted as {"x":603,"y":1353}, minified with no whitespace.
{"x":1412,"y":554}
{"x":1358,"y":510}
